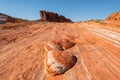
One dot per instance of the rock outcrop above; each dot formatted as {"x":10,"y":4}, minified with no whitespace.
{"x":9,"y":19}
{"x":114,"y":17}
{"x":52,"y":17}
{"x":57,"y":61}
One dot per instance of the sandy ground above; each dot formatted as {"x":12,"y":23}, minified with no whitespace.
{"x":22,"y":53}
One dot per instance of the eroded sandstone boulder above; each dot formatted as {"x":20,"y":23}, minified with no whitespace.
{"x":57,"y":60}
{"x":52,"y":17}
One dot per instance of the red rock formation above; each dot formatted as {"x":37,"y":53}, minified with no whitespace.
{"x":52,"y":17}
{"x":8,"y":19}
{"x":56,"y":60}
{"x":64,"y":44}
{"x":114,"y":17}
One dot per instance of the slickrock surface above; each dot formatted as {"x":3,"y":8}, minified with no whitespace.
{"x":52,"y":17}
{"x":22,"y":52}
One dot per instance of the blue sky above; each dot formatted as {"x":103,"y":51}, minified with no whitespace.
{"x":76,"y":10}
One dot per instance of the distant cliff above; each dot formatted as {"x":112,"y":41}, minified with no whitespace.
{"x":52,"y":17}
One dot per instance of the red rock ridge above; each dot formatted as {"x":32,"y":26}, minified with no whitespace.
{"x":9,"y":19}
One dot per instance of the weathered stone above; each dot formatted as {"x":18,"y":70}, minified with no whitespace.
{"x":114,"y":17}
{"x":57,"y":61}
{"x":8,"y":19}
{"x":52,"y":17}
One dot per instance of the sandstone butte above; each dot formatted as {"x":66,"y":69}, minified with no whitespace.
{"x":53,"y":17}
{"x":97,"y":53}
